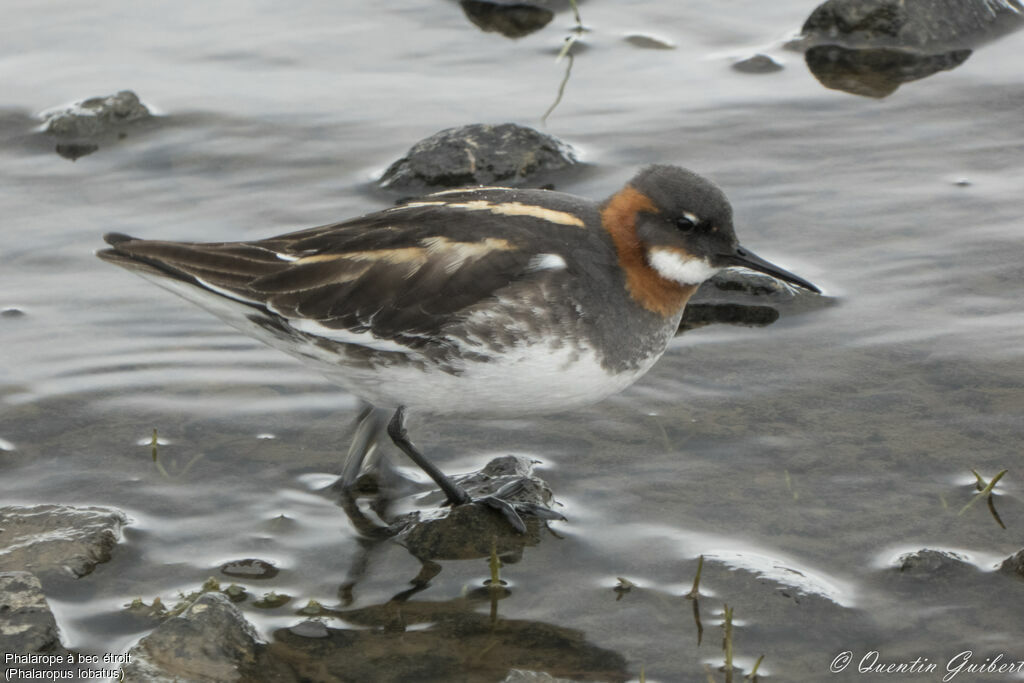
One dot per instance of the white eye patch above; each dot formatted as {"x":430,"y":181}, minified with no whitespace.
{"x":678,"y":266}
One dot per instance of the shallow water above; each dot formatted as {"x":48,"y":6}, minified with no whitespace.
{"x":801,"y":459}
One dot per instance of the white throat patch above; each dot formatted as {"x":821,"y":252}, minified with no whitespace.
{"x":674,"y":265}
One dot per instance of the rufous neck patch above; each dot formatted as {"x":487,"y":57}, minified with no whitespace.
{"x":649,"y":289}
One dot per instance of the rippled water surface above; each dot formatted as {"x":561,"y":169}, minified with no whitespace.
{"x":800,"y":459}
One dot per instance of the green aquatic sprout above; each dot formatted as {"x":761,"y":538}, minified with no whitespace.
{"x":494,"y":564}
{"x":727,"y":642}
{"x":566,"y":53}
{"x":623,"y":587}
{"x":985,"y":490}
{"x":789,"y":486}
{"x":753,"y":676}
{"x":695,"y":591}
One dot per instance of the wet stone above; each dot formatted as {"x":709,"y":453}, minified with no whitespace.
{"x":310,"y":629}
{"x":57,"y":538}
{"x":757,"y":64}
{"x":11,"y":312}
{"x":647,"y":42}
{"x":929,"y":563}
{"x":937,"y":24}
{"x":95,"y":116}
{"x":26,"y":623}
{"x":467,"y":531}
{"x":249,"y":569}
{"x":510,"y":19}
{"x":209,"y":641}
{"x":1013,"y":565}
{"x":84,"y":126}
{"x":479,"y":154}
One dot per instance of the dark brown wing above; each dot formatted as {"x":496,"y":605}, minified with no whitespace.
{"x":402,"y":280}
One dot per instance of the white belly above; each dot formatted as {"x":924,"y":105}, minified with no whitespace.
{"x":535,"y":379}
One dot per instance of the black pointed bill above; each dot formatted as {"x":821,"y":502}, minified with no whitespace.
{"x":748,"y":259}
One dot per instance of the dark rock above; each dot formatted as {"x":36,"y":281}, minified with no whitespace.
{"x":84,"y":126}
{"x":647,"y":42}
{"x":12,"y":312}
{"x":96,"y":116}
{"x":922,"y":24}
{"x":478,"y":154}
{"x":249,"y":569}
{"x":26,"y":622}
{"x":757,"y":64}
{"x":400,"y":641}
{"x":1014,"y":565}
{"x":932,"y":563}
{"x":49,"y":538}
{"x":209,"y":641}
{"x":512,"y":20}
{"x":467,"y":531}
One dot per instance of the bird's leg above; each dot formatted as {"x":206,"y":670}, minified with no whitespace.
{"x":396,"y":430}
{"x":369,"y":425}
{"x":455,"y":493}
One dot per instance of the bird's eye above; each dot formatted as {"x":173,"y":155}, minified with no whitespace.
{"x":686,"y":222}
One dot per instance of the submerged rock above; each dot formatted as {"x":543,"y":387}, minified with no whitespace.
{"x":478,"y":154}
{"x":26,"y":623}
{"x":649,"y":42}
{"x":757,"y":64}
{"x":249,"y":568}
{"x":510,"y":19}
{"x":51,"y":538}
{"x":460,"y":639}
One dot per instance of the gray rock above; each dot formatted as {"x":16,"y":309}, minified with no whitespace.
{"x":209,"y":641}
{"x":57,"y":538}
{"x":648,"y":42}
{"x":95,"y":117}
{"x":26,"y":623}
{"x":932,"y":25}
{"x":478,"y":154}
{"x":757,"y":64}
{"x":1013,"y":565}
{"x":250,"y":568}
{"x":930,"y":563}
